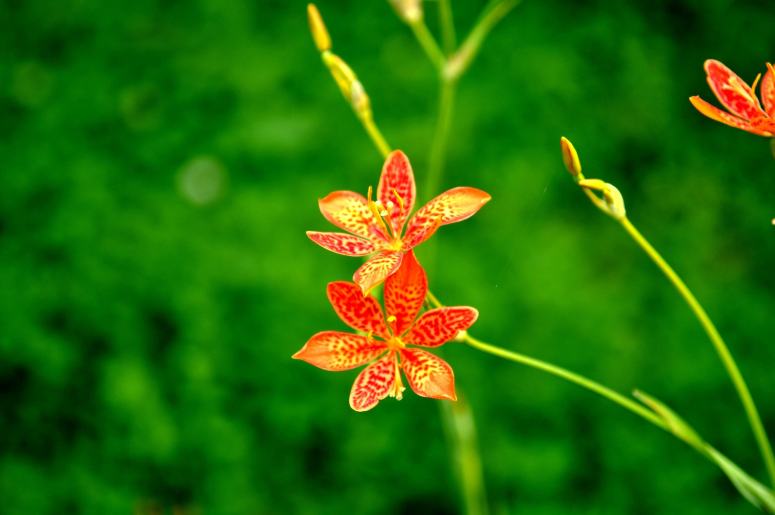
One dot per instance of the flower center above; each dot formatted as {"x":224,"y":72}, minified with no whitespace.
{"x":395,"y":343}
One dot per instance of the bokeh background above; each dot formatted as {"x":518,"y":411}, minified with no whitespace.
{"x":160,"y":162}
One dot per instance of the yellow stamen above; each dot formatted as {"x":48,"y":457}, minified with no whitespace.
{"x":397,"y":389}
{"x":399,"y":199}
{"x":738,"y":86}
{"x":375,"y":209}
{"x":755,"y":82}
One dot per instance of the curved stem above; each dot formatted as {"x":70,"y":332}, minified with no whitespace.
{"x":448,"y":37}
{"x":572,"y":377}
{"x":441,"y":135}
{"x":376,"y":136}
{"x":428,"y":44}
{"x":721,"y":348}
{"x":473,"y":42}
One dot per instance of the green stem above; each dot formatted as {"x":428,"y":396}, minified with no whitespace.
{"x":441,"y":135}
{"x":428,"y":44}
{"x":721,"y":348}
{"x":460,"y":427}
{"x":470,"y":47}
{"x":772,"y":147}
{"x":572,"y":377}
{"x":376,"y":136}
{"x":448,"y":37}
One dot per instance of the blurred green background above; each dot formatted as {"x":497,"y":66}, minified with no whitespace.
{"x":162,"y":160}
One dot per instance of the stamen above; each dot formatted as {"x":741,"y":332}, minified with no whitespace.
{"x":399,"y":199}
{"x":375,"y":211}
{"x":755,"y":82}
{"x":740,"y":88}
{"x":398,"y":386}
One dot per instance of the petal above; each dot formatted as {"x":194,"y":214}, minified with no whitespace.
{"x":428,"y":375}
{"x":405,"y":292}
{"x":451,"y":206}
{"x":714,"y":113}
{"x":356,"y":310}
{"x":334,"y":350}
{"x":373,"y":384}
{"x":350,"y":211}
{"x":768,"y":91}
{"x":439,"y":326}
{"x":732,"y":91}
{"x":345,"y":244}
{"x":397,"y":178}
{"x":377,"y":269}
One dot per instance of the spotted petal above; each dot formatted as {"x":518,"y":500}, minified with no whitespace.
{"x":373,"y":384}
{"x":405,"y":292}
{"x":428,"y":375}
{"x":356,"y":310}
{"x":768,"y":91}
{"x":396,"y":190}
{"x":345,"y":244}
{"x":451,"y":206}
{"x":439,"y":326}
{"x":334,"y":350}
{"x":714,"y":113}
{"x":732,"y":91}
{"x":350,"y":211}
{"x":377,"y":269}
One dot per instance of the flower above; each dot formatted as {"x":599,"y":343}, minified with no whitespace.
{"x":386,"y":341}
{"x":745,"y":111}
{"x":375,"y":227}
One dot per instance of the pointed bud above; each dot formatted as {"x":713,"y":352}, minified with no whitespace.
{"x":571,"y":158}
{"x":410,"y":11}
{"x":318,"y":29}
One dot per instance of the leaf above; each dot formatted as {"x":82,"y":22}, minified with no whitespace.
{"x":752,"y":490}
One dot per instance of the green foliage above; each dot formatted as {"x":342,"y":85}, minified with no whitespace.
{"x":161,"y":161}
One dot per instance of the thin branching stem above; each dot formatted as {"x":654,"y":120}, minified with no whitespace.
{"x":721,"y":348}
{"x":448,"y":36}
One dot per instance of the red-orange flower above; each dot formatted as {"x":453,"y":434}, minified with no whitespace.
{"x":745,"y":111}
{"x":386,"y":340}
{"x":376,"y":227}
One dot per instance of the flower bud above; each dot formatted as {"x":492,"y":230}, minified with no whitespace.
{"x":410,"y":11}
{"x":318,"y":29}
{"x":571,"y":158}
{"x":611,"y":203}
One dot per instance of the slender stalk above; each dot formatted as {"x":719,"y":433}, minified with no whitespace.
{"x":772,"y":147}
{"x":428,"y":44}
{"x":460,"y":428}
{"x":438,"y":152}
{"x":448,"y":37}
{"x":572,"y":377}
{"x":473,"y":42}
{"x":376,"y":136}
{"x":721,"y":348}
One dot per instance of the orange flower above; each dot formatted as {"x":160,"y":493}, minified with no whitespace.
{"x":745,"y":111}
{"x":375,"y":227}
{"x":386,"y":340}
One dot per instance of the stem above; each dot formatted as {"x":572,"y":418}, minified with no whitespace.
{"x":470,"y":47}
{"x":572,"y":377}
{"x":721,"y":348}
{"x":375,"y":135}
{"x":448,"y":37}
{"x":772,"y":147}
{"x":428,"y":44}
{"x":441,"y":136}
{"x":461,"y":434}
